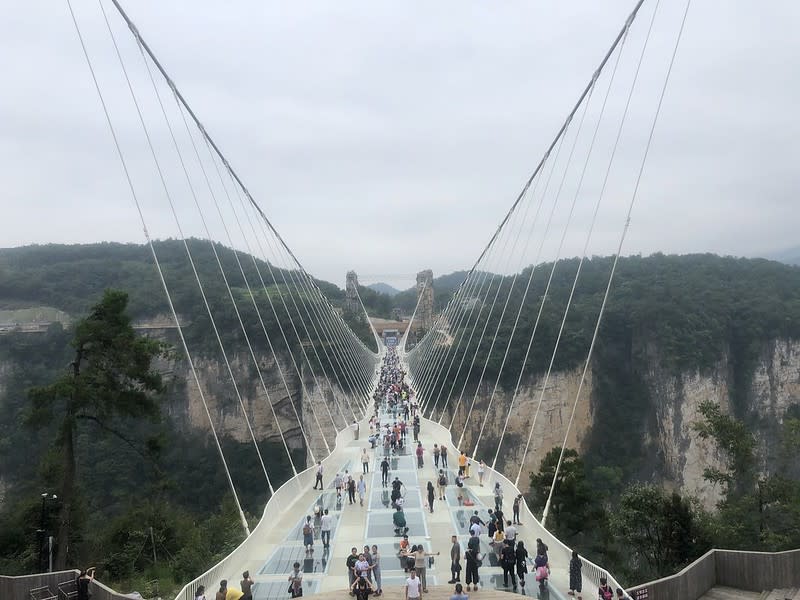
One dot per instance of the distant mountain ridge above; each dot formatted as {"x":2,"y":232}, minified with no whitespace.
{"x":789,"y":256}
{"x":383,"y":288}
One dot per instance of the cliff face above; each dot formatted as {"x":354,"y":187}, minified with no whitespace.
{"x":317,"y":407}
{"x":674,"y":453}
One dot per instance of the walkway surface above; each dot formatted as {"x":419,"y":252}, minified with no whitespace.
{"x":325,"y":570}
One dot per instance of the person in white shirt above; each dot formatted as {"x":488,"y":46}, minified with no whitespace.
{"x":326,"y":523}
{"x":475,"y":529}
{"x":510,"y":532}
{"x":362,"y":566}
{"x":413,"y":586}
{"x":319,"y":476}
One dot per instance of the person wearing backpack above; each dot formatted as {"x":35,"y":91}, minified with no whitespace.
{"x":442,"y":482}
{"x":604,"y":592}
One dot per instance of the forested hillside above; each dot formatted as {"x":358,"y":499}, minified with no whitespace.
{"x":681,"y":316}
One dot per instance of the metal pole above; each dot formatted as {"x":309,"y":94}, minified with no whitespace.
{"x":50,"y":554}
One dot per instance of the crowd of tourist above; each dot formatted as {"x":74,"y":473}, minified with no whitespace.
{"x":394,"y":398}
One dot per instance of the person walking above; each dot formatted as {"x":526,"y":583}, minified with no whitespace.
{"x":385,"y":472}
{"x":515,"y":509}
{"x":318,"y":481}
{"x":296,"y":581}
{"x":575,"y":578}
{"x":351,"y":490}
{"x":442,"y":484}
{"x":337,"y":485}
{"x":376,"y":570}
{"x":508,"y":560}
{"x":481,"y":472}
{"x":436,"y":455}
{"x":430,"y":496}
{"x":443,"y":455}
{"x":462,"y":463}
{"x":365,"y":460}
{"x":308,"y":535}
{"x":413,"y":587}
{"x":510,"y":533}
{"x":420,"y":450}
{"x":200,"y":593}
{"x":498,"y":496}
{"x":522,"y":562}
{"x":362,"y":490}
{"x":455,"y":560}
{"x":326,"y":523}
{"x":473,"y":562}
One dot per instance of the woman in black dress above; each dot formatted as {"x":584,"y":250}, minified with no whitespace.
{"x":430,"y":496}
{"x":83,"y":582}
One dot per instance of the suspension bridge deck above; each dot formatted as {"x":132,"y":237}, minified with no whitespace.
{"x":277,"y":542}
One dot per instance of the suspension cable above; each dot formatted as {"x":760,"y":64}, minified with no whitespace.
{"x":626,"y":225}
{"x":135,"y":198}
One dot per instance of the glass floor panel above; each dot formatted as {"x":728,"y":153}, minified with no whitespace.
{"x":283,"y":559}
{"x":379,"y":524}
{"x":381,"y":498}
{"x":275,"y":590}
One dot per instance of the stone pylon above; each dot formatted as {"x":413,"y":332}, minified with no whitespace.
{"x":351,"y":292}
{"x":425,"y":299}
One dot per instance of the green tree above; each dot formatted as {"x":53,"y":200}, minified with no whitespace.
{"x":111,"y":376}
{"x":660,"y":532}
{"x":574,"y":508}
{"x":758,"y":511}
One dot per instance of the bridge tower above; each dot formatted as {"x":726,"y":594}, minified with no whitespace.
{"x":425,"y":298}
{"x":351,"y":292}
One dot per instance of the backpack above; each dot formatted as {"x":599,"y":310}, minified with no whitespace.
{"x":542,"y":574}
{"x":607,"y":594}
{"x":442,"y":480}
{"x":306,"y":529}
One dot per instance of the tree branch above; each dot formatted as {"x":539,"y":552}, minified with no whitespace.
{"x":128,"y":441}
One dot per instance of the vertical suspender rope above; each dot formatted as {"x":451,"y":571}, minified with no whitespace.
{"x":619,"y":250}
{"x":222,"y":270}
{"x":174,"y":313}
{"x":168,"y":196}
{"x":557,"y":257}
{"x":588,"y":239}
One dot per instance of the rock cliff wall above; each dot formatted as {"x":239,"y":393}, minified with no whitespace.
{"x":673,"y":452}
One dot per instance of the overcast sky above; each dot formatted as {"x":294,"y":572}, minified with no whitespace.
{"x":391,"y":137}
